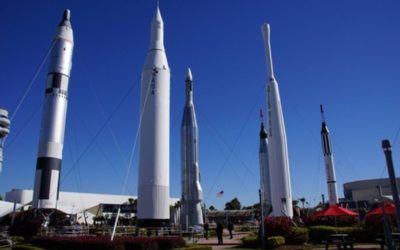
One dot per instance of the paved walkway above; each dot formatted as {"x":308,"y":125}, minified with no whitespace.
{"x":237,"y":236}
{"x":228,"y":243}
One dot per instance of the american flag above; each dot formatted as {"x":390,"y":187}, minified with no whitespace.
{"x":220,"y":193}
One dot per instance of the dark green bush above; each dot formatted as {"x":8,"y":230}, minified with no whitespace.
{"x":275,"y":241}
{"x":299,"y":236}
{"x":358,"y":234}
{"x":251,"y":241}
{"x":320,"y":233}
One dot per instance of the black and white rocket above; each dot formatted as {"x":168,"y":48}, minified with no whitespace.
{"x":278,"y":151}
{"x":265,"y":179}
{"x":328,"y":158}
{"x":48,"y":165}
{"x":192,"y":194}
{"x":153,"y":188}
{"x":4,"y":131}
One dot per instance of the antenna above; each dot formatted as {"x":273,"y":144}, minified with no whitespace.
{"x":261,"y":115}
{"x":322,"y":113}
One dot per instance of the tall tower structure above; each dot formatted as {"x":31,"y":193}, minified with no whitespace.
{"x":153,"y":189}
{"x":51,"y":140}
{"x":281,"y":190}
{"x":192,"y":193}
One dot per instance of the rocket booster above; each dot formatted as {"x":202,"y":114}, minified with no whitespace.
{"x":153,"y":188}
{"x":265,"y":180}
{"x":328,"y":158}
{"x":51,"y":140}
{"x":278,"y":151}
{"x":4,"y":131}
{"x":192,"y":194}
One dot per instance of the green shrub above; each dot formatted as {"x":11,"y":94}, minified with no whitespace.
{"x":358,"y":234}
{"x":320,"y":233}
{"x":251,"y":241}
{"x":275,"y":241}
{"x":299,"y":236}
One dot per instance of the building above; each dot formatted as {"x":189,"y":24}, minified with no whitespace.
{"x":364,"y":192}
{"x":84,"y":206}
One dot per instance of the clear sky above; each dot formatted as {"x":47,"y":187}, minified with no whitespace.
{"x":344,"y":54}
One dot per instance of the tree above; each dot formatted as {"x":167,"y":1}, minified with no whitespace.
{"x":1,"y":197}
{"x":211,"y":208}
{"x":234,"y":204}
{"x":303,"y":200}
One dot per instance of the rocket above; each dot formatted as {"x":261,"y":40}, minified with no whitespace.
{"x":192,"y":194}
{"x":278,"y":151}
{"x":4,"y":131}
{"x":328,"y":158}
{"x":51,"y":140}
{"x":265,"y":180}
{"x":153,"y":188}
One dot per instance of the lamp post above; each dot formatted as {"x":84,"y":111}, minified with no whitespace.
{"x":262,"y":220}
{"x":387,"y":150}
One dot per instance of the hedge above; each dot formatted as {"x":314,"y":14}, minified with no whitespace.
{"x":298,"y":236}
{"x":359,"y":234}
{"x":104,"y":243}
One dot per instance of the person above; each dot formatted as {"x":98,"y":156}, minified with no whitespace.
{"x":230,"y":229}
{"x":219,"y":230}
{"x":206,"y":227}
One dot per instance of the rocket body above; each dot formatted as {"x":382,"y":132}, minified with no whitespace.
{"x":265,"y":179}
{"x":192,"y":194}
{"x":4,"y":131}
{"x":278,"y":150}
{"x":153,"y":188}
{"x":51,"y":140}
{"x":329,"y":166}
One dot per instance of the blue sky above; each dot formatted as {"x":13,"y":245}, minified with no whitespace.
{"x":344,"y":54}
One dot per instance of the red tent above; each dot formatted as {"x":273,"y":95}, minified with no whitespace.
{"x":389,"y":209}
{"x":335,"y":210}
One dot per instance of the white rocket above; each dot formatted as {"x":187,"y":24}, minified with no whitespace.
{"x":4,"y":131}
{"x":265,"y":180}
{"x":192,"y":194}
{"x":48,"y":165}
{"x":278,"y":152}
{"x":153,"y":189}
{"x":328,"y":158}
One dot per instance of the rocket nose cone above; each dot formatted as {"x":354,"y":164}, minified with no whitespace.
{"x":67,"y":14}
{"x":157,"y":16}
{"x":189,"y":75}
{"x":265,"y":29}
{"x":66,"y":18}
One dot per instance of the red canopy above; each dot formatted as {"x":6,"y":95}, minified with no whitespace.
{"x":335,"y":210}
{"x":389,"y":209}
